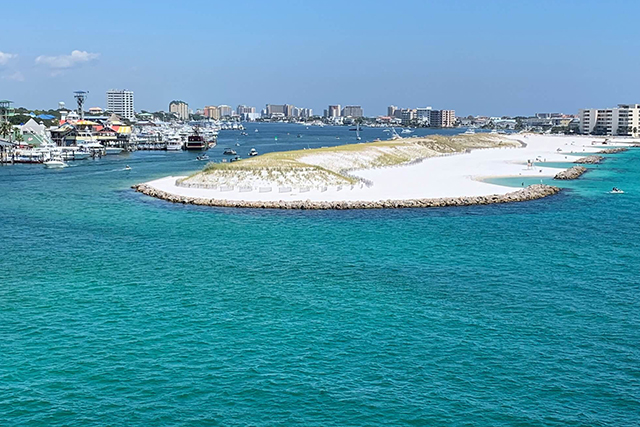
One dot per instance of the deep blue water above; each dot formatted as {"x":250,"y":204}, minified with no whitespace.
{"x":119,"y":309}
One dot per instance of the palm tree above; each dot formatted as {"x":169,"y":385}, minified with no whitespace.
{"x":6,"y":129}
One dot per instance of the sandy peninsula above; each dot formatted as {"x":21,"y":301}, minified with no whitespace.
{"x":427,"y":171}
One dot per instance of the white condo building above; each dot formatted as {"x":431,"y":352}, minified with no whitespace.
{"x":621,"y":121}
{"x":120,"y":102}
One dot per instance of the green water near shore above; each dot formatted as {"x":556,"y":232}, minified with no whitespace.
{"x":119,"y":309}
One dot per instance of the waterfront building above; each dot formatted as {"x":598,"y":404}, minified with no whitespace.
{"x":120,"y":102}
{"x":407,"y":115}
{"x":225,"y":110}
{"x":305,"y":113}
{"x":442,"y":118}
{"x":212,"y":112}
{"x":290,"y":110}
{"x":180,"y":109}
{"x":273,"y":110}
{"x":333,"y":111}
{"x":243,"y":109}
{"x":94,"y":111}
{"x":352,"y":111}
{"x":391,"y":110}
{"x":423,"y":115}
{"x":621,"y":121}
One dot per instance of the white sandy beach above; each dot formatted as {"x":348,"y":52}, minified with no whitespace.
{"x":459,"y":175}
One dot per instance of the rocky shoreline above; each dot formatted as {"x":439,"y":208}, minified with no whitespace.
{"x":532,"y":192}
{"x":613,"y":150}
{"x":589,"y":160}
{"x":571,"y":173}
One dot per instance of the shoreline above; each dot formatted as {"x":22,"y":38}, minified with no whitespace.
{"x":446,"y":179}
{"x":532,"y":192}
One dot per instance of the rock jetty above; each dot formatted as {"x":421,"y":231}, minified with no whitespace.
{"x":613,"y":150}
{"x":571,"y":173}
{"x":531,"y":192}
{"x":589,"y":160}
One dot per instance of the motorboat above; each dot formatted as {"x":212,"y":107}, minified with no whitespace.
{"x":236,"y":158}
{"x":113,"y":150}
{"x":253,"y":152}
{"x":469,"y":132}
{"x":175,"y":143}
{"x":406,"y":131}
{"x":616,"y":190}
{"x":229,"y":152}
{"x":202,"y":157}
{"x":196,"y":141}
{"x":127,"y":168}
{"x":55,"y":163}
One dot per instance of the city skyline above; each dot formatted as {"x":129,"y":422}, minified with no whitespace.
{"x":488,"y":58}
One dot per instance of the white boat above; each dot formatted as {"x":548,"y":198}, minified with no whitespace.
{"x":175,"y":145}
{"x":407,"y":131}
{"x":616,"y":191}
{"x":55,"y":164}
{"x":113,"y":150}
{"x":253,"y":152}
{"x":202,"y":157}
{"x":470,"y":132}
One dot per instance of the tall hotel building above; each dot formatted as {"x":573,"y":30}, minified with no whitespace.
{"x":120,"y":102}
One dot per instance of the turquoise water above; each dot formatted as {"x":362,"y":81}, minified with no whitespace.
{"x":118,"y":309}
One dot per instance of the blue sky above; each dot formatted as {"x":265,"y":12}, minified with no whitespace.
{"x":477,"y":57}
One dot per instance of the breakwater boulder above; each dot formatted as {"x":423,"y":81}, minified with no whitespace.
{"x":613,"y":150}
{"x":532,"y":192}
{"x":589,"y":160}
{"x":571,"y":173}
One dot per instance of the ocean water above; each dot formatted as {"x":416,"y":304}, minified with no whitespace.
{"x":119,"y":309}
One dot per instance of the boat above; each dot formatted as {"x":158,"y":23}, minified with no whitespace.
{"x":202,"y":157}
{"x":195,"y":141}
{"x":469,"y":132}
{"x":113,"y":150}
{"x":406,"y":131}
{"x":236,"y":158}
{"x":256,"y":130}
{"x":55,"y":163}
{"x":175,"y":143}
{"x":253,"y":152}
{"x":127,"y":168}
{"x":299,"y":136}
{"x":616,"y":190}
{"x":229,"y":152}
{"x":357,"y":130}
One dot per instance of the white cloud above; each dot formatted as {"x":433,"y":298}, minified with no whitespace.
{"x":62,"y":62}
{"x":16,"y":77}
{"x":6,"y":57}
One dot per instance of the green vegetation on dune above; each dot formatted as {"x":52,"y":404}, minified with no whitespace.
{"x":328,"y":164}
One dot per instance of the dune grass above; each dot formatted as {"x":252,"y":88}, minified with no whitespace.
{"x":328,"y":164}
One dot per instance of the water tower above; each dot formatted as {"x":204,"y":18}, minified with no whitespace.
{"x":61,"y":105}
{"x":80,"y":96}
